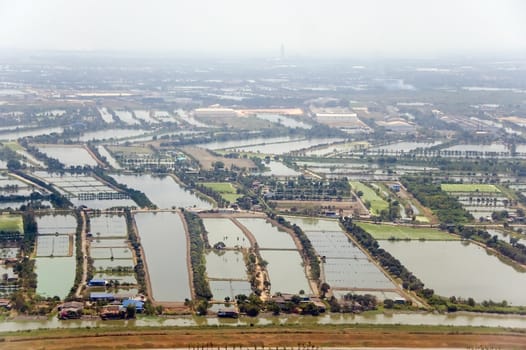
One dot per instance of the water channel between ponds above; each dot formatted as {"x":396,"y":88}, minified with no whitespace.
{"x":431,"y":319}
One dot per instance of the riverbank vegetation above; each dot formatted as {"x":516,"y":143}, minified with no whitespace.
{"x":196,"y":231}
{"x":430,"y":194}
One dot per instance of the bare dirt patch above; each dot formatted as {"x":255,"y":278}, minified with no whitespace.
{"x":348,"y":207}
{"x":206,"y":159}
{"x":292,"y":337}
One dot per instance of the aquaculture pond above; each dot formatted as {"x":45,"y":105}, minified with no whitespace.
{"x":279,"y":169}
{"x":51,"y":224}
{"x":460,"y":269}
{"x":286,"y":271}
{"x":286,"y":147}
{"x":224,"y":230}
{"x":111,"y":253}
{"x":222,"y":289}
{"x":356,"y":274}
{"x":314,"y":224}
{"x":103,"y":203}
{"x":401,"y":147}
{"x":267,"y":235}
{"x":229,"y":265}
{"x":121,"y":278}
{"x":106,"y":115}
{"x":86,"y":190}
{"x":234,"y":144}
{"x":109,"y":158}
{"x":165,"y":248}
{"x":285,"y":121}
{"x":55,"y":275}
{"x":99,"y":243}
{"x":54,"y":245}
{"x":144,"y":116}
{"x":69,"y":155}
{"x":108,"y":226}
{"x":345,"y":265}
{"x":109,"y":264}
{"x":126,"y":117}
{"x":15,"y":135}
{"x":109,"y":134}
{"x":163,"y":191}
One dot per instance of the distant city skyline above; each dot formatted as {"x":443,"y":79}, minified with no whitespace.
{"x":406,"y":28}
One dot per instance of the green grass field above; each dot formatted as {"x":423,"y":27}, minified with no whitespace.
{"x":15,"y":146}
{"x":377,"y":203}
{"x":470,"y":188}
{"x":421,"y":218}
{"x":11,"y":223}
{"x":130,"y":149}
{"x":226,"y":189}
{"x":384,"y":232}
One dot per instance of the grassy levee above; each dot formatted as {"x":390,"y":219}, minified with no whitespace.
{"x":483,"y":188}
{"x":398,"y":232}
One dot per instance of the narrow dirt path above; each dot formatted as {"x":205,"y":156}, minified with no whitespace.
{"x":188,"y":258}
{"x":260,"y":271}
{"x":149,"y":293}
{"x":84,"y":249}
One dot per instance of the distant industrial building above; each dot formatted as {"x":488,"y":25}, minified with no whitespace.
{"x":215,"y":112}
{"x":397,"y":125}
{"x":348,"y":122}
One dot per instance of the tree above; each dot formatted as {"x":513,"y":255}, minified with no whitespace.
{"x":202,"y":307}
{"x":388,"y":303}
{"x":13,"y":164}
{"x":428,"y":292}
{"x":219,"y":165}
{"x":252,"y":310}
{"x":131,"y":311}
{"x":324,"y":288}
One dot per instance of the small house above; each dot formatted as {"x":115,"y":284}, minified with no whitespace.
{"x":400,"y":301}
{"x":228,"y":312}
{"x":139,"y":305}
{"x":113,"y":312}
{"x":101,"y":296}
{"x":70,"y":305}
{"x":97,"y":282}
{"x":5,"y":304}
{"x":395,"y":187}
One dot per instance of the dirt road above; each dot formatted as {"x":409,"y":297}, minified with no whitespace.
{"x":84,"y":249}
{"x":291,"y":337}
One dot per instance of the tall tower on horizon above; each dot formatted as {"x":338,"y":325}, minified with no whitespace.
{"x":282,"y":51}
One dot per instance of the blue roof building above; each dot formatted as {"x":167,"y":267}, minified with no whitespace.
{"x":101,"y":296}
{"x":97,"y":282}
{"x":139,"y":305}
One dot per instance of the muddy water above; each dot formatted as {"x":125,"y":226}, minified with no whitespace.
{"x":164,"y":241}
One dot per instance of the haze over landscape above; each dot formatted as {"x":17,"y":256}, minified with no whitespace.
{"x":262,"y":174}
{"x":407,"y":28}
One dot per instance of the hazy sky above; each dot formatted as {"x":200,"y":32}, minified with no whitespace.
{"x":230,"y":27}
